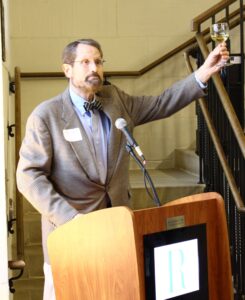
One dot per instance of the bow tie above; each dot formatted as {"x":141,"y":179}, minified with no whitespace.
{"x":95,"y":104}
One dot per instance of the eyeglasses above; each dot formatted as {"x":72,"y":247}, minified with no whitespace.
{"x":86,"y":62}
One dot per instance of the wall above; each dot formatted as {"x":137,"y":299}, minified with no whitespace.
{"x":132,"y":33}
{"x":5,"y":253}
{"x":3,"y":209}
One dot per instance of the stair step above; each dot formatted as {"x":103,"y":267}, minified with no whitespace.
{"x":187,"y":160}
{"x":34,"y":261}
{"x":170,"y":184}
{"x":32,"y":228}
{"x":28,"y":288}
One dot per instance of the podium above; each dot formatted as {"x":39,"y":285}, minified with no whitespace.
{"x":100,"y":256}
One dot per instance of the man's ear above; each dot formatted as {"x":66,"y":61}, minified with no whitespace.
{"x":67,"y":69}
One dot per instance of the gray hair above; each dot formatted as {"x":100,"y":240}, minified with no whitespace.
{"x":69,"y":52}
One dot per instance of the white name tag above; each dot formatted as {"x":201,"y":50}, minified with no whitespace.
{"x":72,"y":135}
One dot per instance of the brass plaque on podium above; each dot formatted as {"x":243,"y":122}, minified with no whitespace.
{"x":175,"y":222}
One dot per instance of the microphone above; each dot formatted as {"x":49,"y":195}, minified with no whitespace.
{"x":121,"y":124}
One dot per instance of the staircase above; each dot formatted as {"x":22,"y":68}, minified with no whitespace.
{"x":180,"y":181}
{"x":30,"y":285}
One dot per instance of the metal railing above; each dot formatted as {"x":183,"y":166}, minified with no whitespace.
{"x":221,"y":140}
{"x":217,"y":143}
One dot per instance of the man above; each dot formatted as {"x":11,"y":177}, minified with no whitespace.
{"x":73,"y":160}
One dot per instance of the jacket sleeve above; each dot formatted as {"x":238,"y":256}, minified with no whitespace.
{"x":33,"y":173}
{"x":143,"y":109}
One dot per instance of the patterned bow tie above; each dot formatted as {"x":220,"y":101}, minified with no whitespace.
{"x":95,"y":104}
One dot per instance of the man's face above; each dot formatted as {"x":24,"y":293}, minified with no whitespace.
{"x":86,"y":72}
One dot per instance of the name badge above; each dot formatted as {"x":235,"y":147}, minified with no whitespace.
{"x":72,"y":135}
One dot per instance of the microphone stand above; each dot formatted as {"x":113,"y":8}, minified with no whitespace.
{"x":130,"y":150}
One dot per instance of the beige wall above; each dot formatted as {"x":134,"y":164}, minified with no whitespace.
{"x":4,"y":175}
{"x":133,"y":33}
{"x":4,"y":292}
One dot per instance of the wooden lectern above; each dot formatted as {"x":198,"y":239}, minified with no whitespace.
{"x":99,"y":256}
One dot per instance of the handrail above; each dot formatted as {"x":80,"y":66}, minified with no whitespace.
{"x":15,"y":265}
{"x":107,"y":74}
{"x":196,"y":22}
{"x":228,"y":107}
{"x":219,"y":149}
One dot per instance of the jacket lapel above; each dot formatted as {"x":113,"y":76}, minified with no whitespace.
{"x":115,"y":138}
{"x":81,"y":146}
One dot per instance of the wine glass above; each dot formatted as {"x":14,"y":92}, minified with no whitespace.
{"x":219,"y":33}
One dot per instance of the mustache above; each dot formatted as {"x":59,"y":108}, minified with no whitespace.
{"x":93,"y":75}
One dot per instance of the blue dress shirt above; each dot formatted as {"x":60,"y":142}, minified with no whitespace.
{"x":86,"y":121}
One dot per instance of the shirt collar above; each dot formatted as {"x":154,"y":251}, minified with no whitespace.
{"x":77,"y":101}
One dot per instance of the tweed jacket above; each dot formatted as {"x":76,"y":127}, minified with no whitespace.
{"x":57,"y":172}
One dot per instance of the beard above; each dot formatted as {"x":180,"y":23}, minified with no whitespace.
{"x":89,"y":86}
{"x":94,"y":80}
